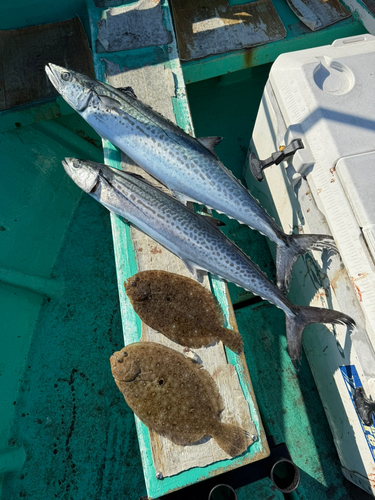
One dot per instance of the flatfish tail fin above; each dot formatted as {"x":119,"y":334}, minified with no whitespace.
{"x":304,"y":316}
{"x":296,"y":245}
{"x":232,"y":339}
{"x":231,"y":438}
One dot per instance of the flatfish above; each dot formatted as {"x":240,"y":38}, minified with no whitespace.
{"x":174,"y":396}
{"x":180,"y":308}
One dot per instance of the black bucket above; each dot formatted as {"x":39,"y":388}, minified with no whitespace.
{"x":222,"y":492}
{"x":285,"y":475}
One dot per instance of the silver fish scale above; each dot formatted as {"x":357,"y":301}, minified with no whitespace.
{"x":185,"y":233}
{"x":176,"y":159}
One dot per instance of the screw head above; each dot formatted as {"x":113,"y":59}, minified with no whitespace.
{"x":254,"y":437}
{"x":159,"y":475}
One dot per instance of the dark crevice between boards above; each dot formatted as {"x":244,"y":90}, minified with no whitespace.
{"x":248,"y":302}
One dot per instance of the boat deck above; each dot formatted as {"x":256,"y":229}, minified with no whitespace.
{"x":71,"y":434}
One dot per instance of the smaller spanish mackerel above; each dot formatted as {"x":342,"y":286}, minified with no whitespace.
{"x":186,"y":165}
{"x":193,"y":238}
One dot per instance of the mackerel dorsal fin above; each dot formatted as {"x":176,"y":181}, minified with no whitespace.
{"x":210,"y":143}
{"x":128,"y":91}
{"x":196,"y":273}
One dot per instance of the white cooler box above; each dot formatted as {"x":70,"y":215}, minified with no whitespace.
{"x":326,"y":97}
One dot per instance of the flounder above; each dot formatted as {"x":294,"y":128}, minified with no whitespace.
{"x":174,"y":396}
{"x":180,"y":308}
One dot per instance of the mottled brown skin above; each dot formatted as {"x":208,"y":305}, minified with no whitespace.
{"x":173,"y":396}
{"x":180,"y":308}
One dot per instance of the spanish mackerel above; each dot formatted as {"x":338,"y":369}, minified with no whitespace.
{"x":188,"y":166}
{"x":193,"y":238}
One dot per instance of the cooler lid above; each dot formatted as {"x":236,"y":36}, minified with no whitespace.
{"x":357,"y":176}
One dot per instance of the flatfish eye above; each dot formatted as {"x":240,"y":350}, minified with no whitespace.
{"x":161,"y":381}
{"x":133,"y":283}
{"x":168,"y":299}
{"x":65,"y":76}
{"x":124,"y":354}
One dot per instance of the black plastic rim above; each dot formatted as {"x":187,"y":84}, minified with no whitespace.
{"x":222,"y":492}
{"x":285,"y":475}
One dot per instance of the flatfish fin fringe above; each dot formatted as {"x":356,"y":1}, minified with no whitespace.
{"x":232,"y":339}
{"x":231,"y":438}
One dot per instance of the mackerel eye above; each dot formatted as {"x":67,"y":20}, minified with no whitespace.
{"x":65,"y":76}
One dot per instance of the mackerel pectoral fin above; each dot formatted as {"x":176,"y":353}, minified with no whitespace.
{"x":133,"y":174}
{"x":296,"y":245}
{"x":128,"y":91}
{"x":185,"y":200}
{"x":197,"y":274}
{"x":304,"y":316}
{"x":109,"y":101}
{"x":210,"y":143}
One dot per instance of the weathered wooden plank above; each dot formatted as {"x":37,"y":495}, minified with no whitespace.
{"x":125,"y":28}
{"x":208,"y":27}
{"x":318,"y":14}
{"x":25,"y":52}
{"x":156,"y":76}
{"x":168,"y":458}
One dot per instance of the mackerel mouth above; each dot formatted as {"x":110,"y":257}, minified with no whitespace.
{"x":51,"y":73}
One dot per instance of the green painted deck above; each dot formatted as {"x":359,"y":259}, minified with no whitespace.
{"x":63,"y":433}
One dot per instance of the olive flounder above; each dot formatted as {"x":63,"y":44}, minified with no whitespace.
{"x":173,"y":396}
{"x":180,"y":308}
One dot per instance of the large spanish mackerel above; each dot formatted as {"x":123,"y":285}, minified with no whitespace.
{"x":187,"y":166}
{"x":192,"y":238}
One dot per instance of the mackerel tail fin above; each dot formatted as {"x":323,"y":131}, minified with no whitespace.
{"x":294,"y":246}
{"x":304,"y":316}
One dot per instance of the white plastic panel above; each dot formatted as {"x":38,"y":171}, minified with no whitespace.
{"x":325,"y":96}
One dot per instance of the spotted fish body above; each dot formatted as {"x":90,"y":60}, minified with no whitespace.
{"x":177,"y":159}
{"x":174,"y":396}
{"x":180,"y":308}
{"x":192,"y":238}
